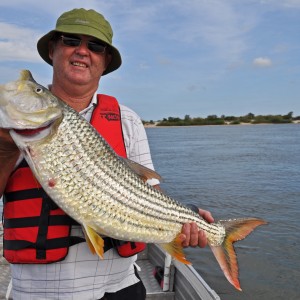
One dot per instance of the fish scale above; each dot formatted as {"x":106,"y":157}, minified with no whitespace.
{"x":105,"y":193}
{"x":114,"y":184}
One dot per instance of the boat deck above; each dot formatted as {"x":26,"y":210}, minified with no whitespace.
{"x":188,"y":283}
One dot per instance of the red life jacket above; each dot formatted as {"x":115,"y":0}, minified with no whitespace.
{"x":107,"y":121}
{"x":36,"y":230}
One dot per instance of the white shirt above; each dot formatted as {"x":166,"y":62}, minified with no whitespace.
{"x":82,"y":275}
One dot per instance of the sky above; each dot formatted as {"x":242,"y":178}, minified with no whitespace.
{"x":191,"y":57}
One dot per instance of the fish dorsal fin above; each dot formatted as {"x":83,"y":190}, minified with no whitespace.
{"x":25,"y":75}
{"x":143,"y":172}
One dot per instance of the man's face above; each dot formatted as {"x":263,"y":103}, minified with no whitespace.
{"x":78,"y":64}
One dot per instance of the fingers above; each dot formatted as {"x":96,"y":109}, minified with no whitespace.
{"x":202,"y":240}
{"x":192,"y":236}
{"x":206,"y":215}
{"x":186,"y":230}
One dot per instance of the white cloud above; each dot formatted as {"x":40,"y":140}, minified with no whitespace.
{"x":143,"y":66}
{"x":214,"y":31}
{"x":18,"y":44}
{"x":292,"y":3}
{"x":283,"y":3}
{"x":217,"y":25}
{"x":262,"y":62}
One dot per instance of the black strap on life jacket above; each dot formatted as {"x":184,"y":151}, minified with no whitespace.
{"x":41,"y":222}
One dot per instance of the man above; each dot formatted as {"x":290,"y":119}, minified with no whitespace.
{"x":80,"y":50}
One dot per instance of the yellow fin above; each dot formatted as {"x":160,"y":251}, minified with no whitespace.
{"x":94,"y":240}
{"x":175,"y":249}
{"x":25,"y":75}
{"x":225,"y":254}
{"x":142,"y":171}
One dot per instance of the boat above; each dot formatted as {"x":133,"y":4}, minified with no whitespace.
{"x":163,"y":277}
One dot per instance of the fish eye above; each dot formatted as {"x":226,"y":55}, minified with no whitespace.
{"x":38,"y":90}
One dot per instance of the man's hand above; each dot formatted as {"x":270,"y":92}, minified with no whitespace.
{"x":9,"y":154}
{"x":6,"y":142}
{"x":190,"y":234}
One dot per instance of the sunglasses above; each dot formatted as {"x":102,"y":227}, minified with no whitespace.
{"x":96,"y":47}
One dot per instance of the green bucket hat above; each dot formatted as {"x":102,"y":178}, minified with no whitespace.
{"x":85,"y":22}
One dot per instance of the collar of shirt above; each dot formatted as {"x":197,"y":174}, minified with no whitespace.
{"x":87,"y":112}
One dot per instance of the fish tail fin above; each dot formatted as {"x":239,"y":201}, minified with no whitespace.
{"x":225,"y":254}
{"x":94,"y":240}
{"x":175,"y":249}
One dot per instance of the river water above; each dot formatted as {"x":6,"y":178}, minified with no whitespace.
{"x":240,"y":171}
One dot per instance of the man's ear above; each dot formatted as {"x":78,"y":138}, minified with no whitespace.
{"x":107,"y":60}
{"x":51,"y":49}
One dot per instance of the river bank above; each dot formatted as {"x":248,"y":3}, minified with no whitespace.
{"x":150,"y":125}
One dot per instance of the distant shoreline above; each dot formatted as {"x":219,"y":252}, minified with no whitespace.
{"x":147,"y":125}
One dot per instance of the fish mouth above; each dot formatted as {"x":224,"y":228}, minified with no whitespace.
{"x":34,"y":131}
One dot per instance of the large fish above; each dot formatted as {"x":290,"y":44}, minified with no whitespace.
{"x":103,"y":192}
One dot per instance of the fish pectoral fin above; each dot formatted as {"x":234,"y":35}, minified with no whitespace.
{"x":142,"y":171}
{"x":94,"y":240}
{"x":175,"y":249}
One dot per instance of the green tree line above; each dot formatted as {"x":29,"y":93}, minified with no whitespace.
{"x":250,"y":118}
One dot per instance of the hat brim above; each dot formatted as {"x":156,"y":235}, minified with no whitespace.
{"x":43,"y":49}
